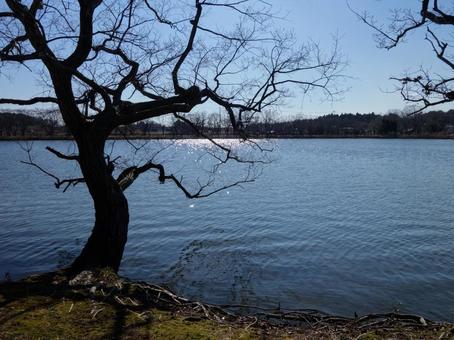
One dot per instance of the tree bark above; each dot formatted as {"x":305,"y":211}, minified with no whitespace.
{"x":106,"y":244}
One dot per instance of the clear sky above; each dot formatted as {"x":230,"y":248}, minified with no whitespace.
{"x":369,"y":67}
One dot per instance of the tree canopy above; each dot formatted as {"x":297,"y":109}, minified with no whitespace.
{"x":108,"y":64}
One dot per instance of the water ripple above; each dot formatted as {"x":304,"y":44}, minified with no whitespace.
{"x":339,"y":225}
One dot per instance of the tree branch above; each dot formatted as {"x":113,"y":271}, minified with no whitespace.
{"x":62,"y":155}
{"x":58,"y":182}
{"x":84,"y":43}
{"x":195,"y":22}
{"x":129,"y":175}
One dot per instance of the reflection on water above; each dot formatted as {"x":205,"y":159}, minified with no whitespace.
{"x":339,"y":225}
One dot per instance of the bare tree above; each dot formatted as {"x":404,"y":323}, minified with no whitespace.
{"x":110,"y":64}
{"x":422,"y":88}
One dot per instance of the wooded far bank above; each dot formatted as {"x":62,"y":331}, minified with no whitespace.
{"x":433,"y":124}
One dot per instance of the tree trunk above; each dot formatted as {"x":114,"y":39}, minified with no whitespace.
{"x":105,"y":246}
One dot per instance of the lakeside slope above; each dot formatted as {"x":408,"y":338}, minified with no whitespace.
{"x":102,"y":305}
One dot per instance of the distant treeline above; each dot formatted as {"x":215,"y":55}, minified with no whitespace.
{"x":430,"y":124}
{"x":434,"y":123}
{"x":23,"y":125}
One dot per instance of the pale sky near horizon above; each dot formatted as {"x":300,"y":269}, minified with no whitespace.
{"x":369,"y":68}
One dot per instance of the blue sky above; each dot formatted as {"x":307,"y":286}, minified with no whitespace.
{"x":369,"y":67}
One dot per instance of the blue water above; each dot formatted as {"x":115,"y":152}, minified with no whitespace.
{"x":341,"y":225}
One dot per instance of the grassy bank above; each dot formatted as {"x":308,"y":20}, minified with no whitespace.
{"x":103,"y":306}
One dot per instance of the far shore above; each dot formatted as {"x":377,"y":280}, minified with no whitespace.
{"x":270,"y":136}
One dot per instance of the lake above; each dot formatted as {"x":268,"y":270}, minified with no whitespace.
{"x":339,"y":225}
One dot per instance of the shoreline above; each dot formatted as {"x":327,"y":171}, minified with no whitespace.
{"x":103,"y":305}
{"x":172,"y":137}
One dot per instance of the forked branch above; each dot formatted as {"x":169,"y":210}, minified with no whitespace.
{"x":129,"y":175}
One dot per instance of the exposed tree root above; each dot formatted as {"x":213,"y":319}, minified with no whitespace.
{"x":136,"y":296}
